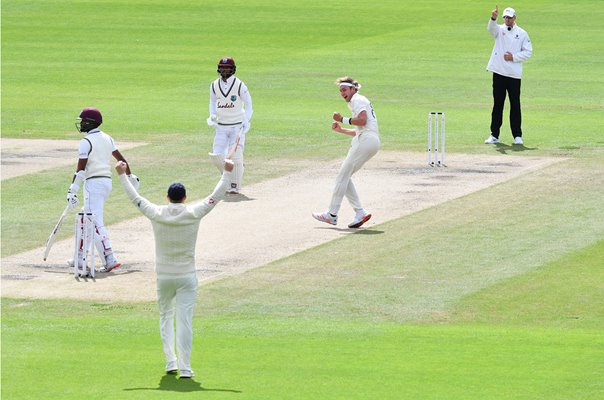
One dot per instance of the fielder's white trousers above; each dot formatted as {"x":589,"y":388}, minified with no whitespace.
{"x":96,"y":192}
{"x":362,"y":148}
{"x":176,"y":299}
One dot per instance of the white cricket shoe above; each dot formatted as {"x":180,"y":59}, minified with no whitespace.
{"x":71,"y":262}
{"x":172,"y":367}
{"x":326,"y":217}
{"x":110,"y":264}
{"x":359,"y":219}
{"x":491,"y":140}
{"x":518,"y":140}
{"x":186,"y":373}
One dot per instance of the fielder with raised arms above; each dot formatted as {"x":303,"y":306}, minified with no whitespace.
{"x":175,"y":227}
{"x":230,"y":115}
{"x":94,"y":172}
{"x":365,"y":144}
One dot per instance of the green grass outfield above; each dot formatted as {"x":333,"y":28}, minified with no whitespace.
{"x":532,"y":344}
{"x":496,"y":295}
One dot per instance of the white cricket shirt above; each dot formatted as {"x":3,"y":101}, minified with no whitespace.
{"x":516,"y":41}
{"x":175,"y":227}
{"x":97,"y":147}
{"x":359,"y":103}
{"x":230,"y":101}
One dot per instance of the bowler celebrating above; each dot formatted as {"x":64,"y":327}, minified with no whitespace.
{"x":365,"y":144}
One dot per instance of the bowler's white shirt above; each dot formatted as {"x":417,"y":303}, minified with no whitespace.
{"x":359,"y":103}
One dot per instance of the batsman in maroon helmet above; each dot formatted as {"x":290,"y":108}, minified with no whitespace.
{"x":230,"y":115}
{"x":93,"y":174}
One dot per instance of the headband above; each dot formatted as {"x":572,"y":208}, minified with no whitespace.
{"x":352,"y":85}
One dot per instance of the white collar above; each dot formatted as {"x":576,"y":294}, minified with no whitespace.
{"x":229,"y":80}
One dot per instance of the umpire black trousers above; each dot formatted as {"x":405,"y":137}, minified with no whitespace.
{"x":503,"y":85}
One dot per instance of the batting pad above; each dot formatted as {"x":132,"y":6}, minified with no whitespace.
{"x":237,"y":181}
{"x":101,"y":241}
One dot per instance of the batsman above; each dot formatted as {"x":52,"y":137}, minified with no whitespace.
{"x":230,"y":115}
{"x":93,"y":175}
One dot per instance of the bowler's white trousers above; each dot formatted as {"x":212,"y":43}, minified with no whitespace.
{"x":362,"y":148}
{"x":177,"y":294}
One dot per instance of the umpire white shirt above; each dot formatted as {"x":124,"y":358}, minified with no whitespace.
{"x":175,"y":227}
{"x":516,"y":41}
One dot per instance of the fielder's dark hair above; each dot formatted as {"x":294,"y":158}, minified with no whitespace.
{"x":177,"y":192}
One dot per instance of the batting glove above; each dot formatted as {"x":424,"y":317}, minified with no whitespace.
{"x":72,"y":200}
{"x":245,"y":126}
{"x":136,"y":183}
{"x":212,"y":120}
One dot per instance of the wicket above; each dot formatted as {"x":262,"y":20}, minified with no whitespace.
{"x":83,"y":258}
{"x":436,"y":120}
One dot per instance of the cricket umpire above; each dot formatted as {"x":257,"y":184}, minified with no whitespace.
{"x":511,"y":48}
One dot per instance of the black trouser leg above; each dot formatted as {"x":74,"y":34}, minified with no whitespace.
{"x":515,"y":112}
{"x":499,"y":91}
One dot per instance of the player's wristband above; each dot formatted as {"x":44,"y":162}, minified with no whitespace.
{"x":347,"y":120}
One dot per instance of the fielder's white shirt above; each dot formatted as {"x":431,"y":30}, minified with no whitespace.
{"x":175,"y":227}
{"x":97,"y":147}
{"x":230,"y":101}
{"x":516,"y":41}
{"x":359,"y":103}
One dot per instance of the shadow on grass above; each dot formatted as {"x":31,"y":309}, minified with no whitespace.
{"x":504,"y":148}
{"x":368,"y":232}
{"x":171,"y":383}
